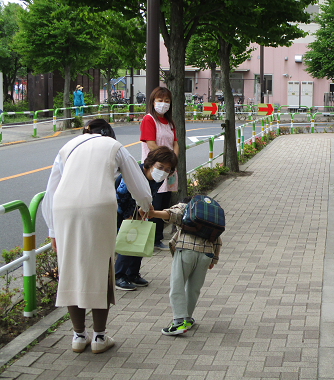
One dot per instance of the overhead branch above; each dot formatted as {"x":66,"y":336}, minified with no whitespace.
{"x":164,"y":30}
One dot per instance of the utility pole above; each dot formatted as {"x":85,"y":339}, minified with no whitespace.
{"x":262,"y":72}
{"x":152,"y":47}
{"x":131,"y":91}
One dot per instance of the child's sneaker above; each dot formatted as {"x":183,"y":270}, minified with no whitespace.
{"x":175,"y":329}
{"x":189,"y":324}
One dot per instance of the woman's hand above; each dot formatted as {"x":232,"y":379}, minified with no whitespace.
{"x":211,"y":265}
{"x":53,"y":244}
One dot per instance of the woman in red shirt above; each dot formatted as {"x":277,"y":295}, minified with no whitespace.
{"x":158,"y":128}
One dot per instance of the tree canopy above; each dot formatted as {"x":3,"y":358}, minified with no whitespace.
{"x":54,"y":35}
{"x":10,"y":62}
{"x":122,"y":44}
{"x":319,"y":59}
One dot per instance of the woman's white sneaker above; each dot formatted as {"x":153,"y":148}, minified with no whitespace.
{"x":102,"y":343}
{"x":80,"y":342}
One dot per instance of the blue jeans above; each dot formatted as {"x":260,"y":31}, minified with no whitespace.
{"x":127,"y":266}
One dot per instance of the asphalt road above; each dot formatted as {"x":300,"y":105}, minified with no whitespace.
{"x":30,"y":163}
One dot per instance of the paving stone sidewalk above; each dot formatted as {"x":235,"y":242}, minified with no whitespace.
{"x":265,"y":311}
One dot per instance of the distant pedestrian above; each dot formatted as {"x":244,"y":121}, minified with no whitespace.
{"x":192,"y":257}
{"x":78,"y":100}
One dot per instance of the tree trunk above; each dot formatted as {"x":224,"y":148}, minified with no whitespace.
{"x":66,"y":98}
{"x":213,"y":67}
{"x":108,"y":83}
{"x":175,"y":80}
{"x":231,"y":149}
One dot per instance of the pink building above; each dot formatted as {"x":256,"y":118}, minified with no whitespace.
{"x":286,"y":81}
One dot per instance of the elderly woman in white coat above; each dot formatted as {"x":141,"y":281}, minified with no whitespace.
{"x":80,"y":210}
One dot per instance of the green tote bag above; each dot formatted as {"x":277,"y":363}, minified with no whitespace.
{"x":135,"y":238}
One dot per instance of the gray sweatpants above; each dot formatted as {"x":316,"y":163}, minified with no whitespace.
{"x":186,"y":280}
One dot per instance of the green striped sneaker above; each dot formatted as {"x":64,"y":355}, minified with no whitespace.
{"x":175,"y":329}
{"x":189,"y":324}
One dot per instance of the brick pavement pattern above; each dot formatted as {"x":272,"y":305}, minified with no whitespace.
{"x":258,"y":315}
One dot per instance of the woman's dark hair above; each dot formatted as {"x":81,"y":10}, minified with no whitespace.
{"x":161,"y":92}
{"x":99,"y":126}
{"x":161,"y":154}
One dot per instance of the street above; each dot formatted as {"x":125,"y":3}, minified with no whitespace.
{"x":28,"y":167}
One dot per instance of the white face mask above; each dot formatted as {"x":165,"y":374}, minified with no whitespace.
{"x":158,"y":175}
{"x":161,"y":107}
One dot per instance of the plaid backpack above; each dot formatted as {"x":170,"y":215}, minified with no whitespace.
{"x":203,"y":217}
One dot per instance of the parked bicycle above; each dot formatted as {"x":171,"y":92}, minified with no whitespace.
{"x":140,"y":97}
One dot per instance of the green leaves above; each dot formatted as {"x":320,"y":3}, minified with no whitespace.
{"x":319,"y":59}
{"x":54,"y":35}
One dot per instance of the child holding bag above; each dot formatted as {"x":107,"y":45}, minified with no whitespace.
{"x":192,"y":257}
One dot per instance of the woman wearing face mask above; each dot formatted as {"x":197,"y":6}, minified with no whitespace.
{"x":159,"y":164}
{"x":156,"y":129}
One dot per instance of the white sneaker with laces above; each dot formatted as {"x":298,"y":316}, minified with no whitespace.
{"x":101,"y":344}
{"x":79,"y":342}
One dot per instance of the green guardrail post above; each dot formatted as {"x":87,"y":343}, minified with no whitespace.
{"x":312,"y":123}
{"x":211,"y":142}
{"x":29,"y":266}
{"x":54,"y":120}
{"x":253,"y":135}
{"x":278,"y":121}
{"x":242,"y":130}
{"x":291,"y":127}
{"x":262,"y":129}
{"x":35,"y":124}
{"x":238,"y":142}
{"x":112,"y":113}
{"x":128,"y":113}
{"x":195,"y":115}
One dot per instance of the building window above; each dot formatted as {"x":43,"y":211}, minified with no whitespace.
{"x":268,"y":83}
{"x":188,"y":85}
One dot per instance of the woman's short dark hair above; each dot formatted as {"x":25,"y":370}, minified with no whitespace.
{"x":161,"y":154}
{"x":157,"y":93}
{"x":99,"y":126}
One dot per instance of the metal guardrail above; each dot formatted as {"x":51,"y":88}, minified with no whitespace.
{"x":28,"y":216}
{"x":242,"y":111}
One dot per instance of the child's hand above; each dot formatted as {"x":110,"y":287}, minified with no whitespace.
{"x":211,"y":265}
{"x":142,"y":213}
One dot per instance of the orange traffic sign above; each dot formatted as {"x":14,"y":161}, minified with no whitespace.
{"x":264,"y":109}
{"x":210,"y":108}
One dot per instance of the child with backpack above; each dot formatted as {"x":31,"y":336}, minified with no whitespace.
{"x":192,"y":257}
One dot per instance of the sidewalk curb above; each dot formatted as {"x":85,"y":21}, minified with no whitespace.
{"x":34,"y":332}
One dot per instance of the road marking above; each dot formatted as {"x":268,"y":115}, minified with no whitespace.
{"x":135,"y":143}
{"x":199,"y":138}
{"x":14,"y":142}
{"x":49,"y":167}
{"x":22,"y":174}
{"x":45,"y":168}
